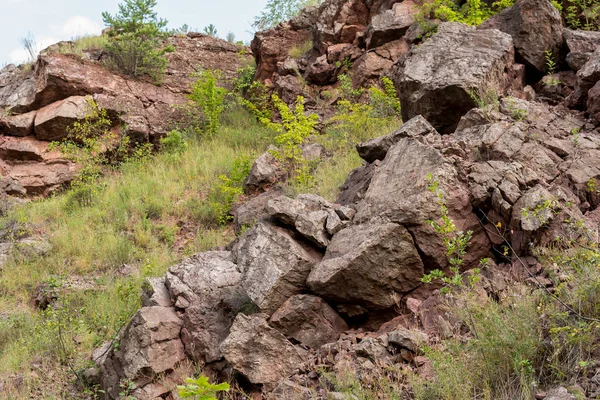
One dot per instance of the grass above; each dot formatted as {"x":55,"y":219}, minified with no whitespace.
{"x":301,"y":49}
{"x":83,"y":43}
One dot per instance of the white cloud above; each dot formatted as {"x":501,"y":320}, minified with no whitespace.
{"x":73,"y":28}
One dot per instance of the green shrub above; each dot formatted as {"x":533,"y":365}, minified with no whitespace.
{"x":385,"y":102}
{"x":209,"y":99}
{"x":202,"y":389}
{"x":173,"y":143}
{"x":136,"y":39}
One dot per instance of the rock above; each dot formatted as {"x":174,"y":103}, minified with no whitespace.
{"x":274,"y":265}
{"x":148,"y":346}
{"x":308,"y":320}
{"x":534,"y":209}
{"x":265,"y":172}
{"x":407,"y":339}
{"x":253,"y":210}
{"x":18,"y":150}
{"x":367,"y":265}
{"x":285,"y":209}
{"x":52,"y":121}
{"x":208,"y":289}
{"x":155,"y":293}
{"x":559,"y":393}
{"x":259,"y":352}
{"x":587,"y":76}
{"x":334,"y":223}
{"x":338,"y":21}
{"x":43,"y":296}
{"x":369,"y":67}
{"x":375,"y":349}
{"x":313,"y":151}
{"x":287,"y":389}
{"x":17,"y":125}
{"x":390,"y":24}
{"x":312,"y":226}
{"x":581,"y":44}
{"x":356,"y":184}
{"x":535,"y":26}
{"x":593,"y":103}
{"x":376,"y":149}
{"x":438,"y":78}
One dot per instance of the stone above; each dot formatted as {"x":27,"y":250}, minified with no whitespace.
{"x":356,"y":184}
{"x":581,"y":44}
{"x":52,"y":121}
{"x":407,"y":339}
{"x":17,"y":125}
{"x":534,"y":209}
{"x":376,"y":149}
{"x":18,"y":150}
{"x":587,"y":76}
{"x":367,"y":265}
{"x":253,"y":210}
{"x":265,"y":172}
{"x":274,"y":265}
{"x":285,"y":209}
{"x":369,"y":67}
{"x":535,"y":26}
{"x":375,"y":349}
{"x":559,"y":393}
{"x":308,"y":320}
{"x":155,"y":293}
{"x":437,"y":78}
{"x":320,"y":72}
{"x":148,"y":346}
{"x":259,"y":352}
{"x":286,"y":389}
{"x":207,"y":287}
{"x":390,"y":25}
{"x":312,"y":226}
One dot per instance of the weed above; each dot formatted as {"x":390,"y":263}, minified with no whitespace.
{"x":202,"y":389}
{"x":301,"y":49}
{"x":209,"y":99}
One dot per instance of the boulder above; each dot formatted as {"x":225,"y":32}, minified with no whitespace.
{"x":535,"y":26}
{"x":368,"y":264}
{"x":369,"y":67}
{"x":356,"y":184}
{"x":17,"y":125}
{"x":587,"y":76}
{"x":308,"y":320}
{"x":251,"y":211}
{"x":52,"y":121}
{"x":580,"y":44}
{"x":208,"y":289}
{"x":439,"y":78}
{"x":15,"y":150}
{"x":338,"y":21}
{"x":376,"y":149}
{"x":155,"y":293}
{"x":265,"y":172}
{"x":407,"y":339}
{"x":390,"y":25}
{"x":148,"y":346}
{"x":274,"y":265}
{"x":259,"y":352}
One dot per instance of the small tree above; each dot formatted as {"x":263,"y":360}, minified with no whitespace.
{"x":277,"y":11}
{"x":136,"y":45}
{"x":209,"y":98}
{"x":211,"y":30}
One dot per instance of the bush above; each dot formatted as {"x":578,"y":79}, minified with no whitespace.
{"x":209,"y":99}
{"x":385,"y":102}
{"x":277,"y":11}
{"x":173,"y":143}
{"x":136,"y":40}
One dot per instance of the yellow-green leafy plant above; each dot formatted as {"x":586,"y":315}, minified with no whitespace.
{"x":385,"y":102}
{"x":202,"y":389}
{"x":583,"y":14}
{"x":209,"y":98}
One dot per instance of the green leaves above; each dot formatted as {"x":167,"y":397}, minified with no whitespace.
{"x":277,"y":11}
{"x":209,"y":98}
{"x":202,"y":389}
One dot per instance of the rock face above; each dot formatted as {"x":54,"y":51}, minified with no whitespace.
{"x":48,"y":98}
{"x":259,"y":352}
{"x":274,"y":265}
{"x":308,"y":320}
{"x":367,"y":265}
{"x":581,"y":44}
{"x":535,"y":26}
{"x":208,"y":289}
{"x":440,"y":78}
{"x":390,"y":25}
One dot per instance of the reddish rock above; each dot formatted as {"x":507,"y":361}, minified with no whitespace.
{"x":17,"y":125}
{"x":53,"y":121}
{"x":15,"y":150}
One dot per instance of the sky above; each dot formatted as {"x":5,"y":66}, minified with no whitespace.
{"x":50,"y":21}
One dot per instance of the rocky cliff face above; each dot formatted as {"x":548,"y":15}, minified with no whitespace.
{"x":39,"y":102}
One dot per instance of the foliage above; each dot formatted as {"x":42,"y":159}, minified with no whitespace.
{"x":210,"y":30}
{"x":244,"y":80}
{"x":174,"y":143}
{"x":583,"y":14}
{"x":202,"y":389}
{"x":385,"y":102}
{"x":300,"y":50}
{"x":230,"y":37}
{"x":277,"y":11}
{"x":346,"y":88}
{"x":227,"y":191}
{"x":455,"y":242}
{"x":550,"y":63}
{"x":209,"y":99}
{"x":30,"y":46}
{"x":136,"y":38}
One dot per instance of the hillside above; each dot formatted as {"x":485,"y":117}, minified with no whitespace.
{"x":374,"y":200}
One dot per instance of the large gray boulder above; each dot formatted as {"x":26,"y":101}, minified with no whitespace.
{"x":259,"y":352}
{"x":377,"y":148}
{"x":440,"y":78}
{"x":265,"y":172}
{"x":274,"y":265}
{"x":581,"y":44}
{"x":148,"y":346}
{"x":390,"y":24}
{"x":535,"y":26}
{"x":367,"y":265}
{"x":207,"y":288}
{"x":309,"y":320}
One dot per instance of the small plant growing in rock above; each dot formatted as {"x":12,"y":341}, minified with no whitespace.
{"x":455,"y":243}
{"x":550,"y":63}
{"x":201,"y":389}
{"x":575,"y":136}
{"x":385,"y":102}
{"x":346,"y":88}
